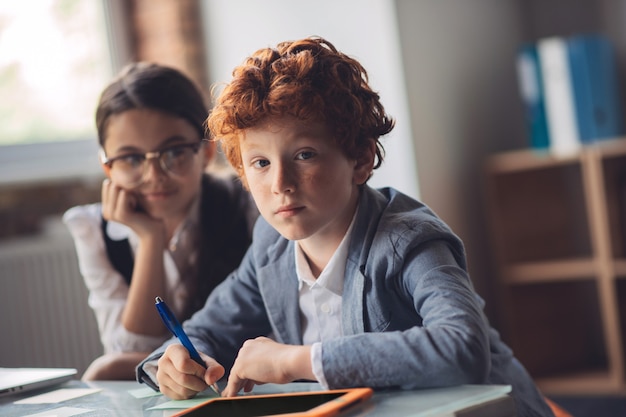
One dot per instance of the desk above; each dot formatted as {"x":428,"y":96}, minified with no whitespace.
{"x":115,"y":400}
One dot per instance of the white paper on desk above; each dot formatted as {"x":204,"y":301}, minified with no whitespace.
{"x":144,"y":392}
{"x":182,"y":404}
{"x":61,"y":412}
{"x":59,"y":395}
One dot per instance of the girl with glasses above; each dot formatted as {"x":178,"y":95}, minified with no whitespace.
{"x":164,"y":226}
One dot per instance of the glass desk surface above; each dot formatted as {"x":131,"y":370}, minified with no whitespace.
{"x":115,"y":399}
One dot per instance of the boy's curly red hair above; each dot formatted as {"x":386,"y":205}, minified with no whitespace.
{"x":307,"y":79}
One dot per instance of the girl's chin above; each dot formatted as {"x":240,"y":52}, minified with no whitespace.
{"x":157,"y":212}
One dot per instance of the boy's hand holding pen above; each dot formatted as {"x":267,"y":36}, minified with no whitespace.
{"x":175,"y":327}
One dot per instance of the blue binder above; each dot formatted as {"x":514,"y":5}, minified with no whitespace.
{"x":532,"y":93}
{"x":595,"y":87}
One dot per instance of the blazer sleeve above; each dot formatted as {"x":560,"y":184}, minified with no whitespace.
{"x":447,"y":342}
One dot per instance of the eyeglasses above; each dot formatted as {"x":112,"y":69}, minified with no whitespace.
{"x":130,"y":169}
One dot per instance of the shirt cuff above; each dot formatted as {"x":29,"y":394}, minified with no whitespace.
{"x":316,"y":364}
{"x":147,"y":374}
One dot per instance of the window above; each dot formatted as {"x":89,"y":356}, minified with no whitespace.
{"x":55,"y":58}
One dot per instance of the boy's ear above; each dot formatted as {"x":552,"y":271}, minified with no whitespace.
{"x":364,"y":164}
{"x":244,"y":182}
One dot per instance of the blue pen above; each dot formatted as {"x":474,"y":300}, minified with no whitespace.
{"x":177,"y":330}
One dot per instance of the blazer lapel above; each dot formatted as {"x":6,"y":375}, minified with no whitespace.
{"x":279,"y":287}
{"x":352,"y":299}
{"x":353,"y":311}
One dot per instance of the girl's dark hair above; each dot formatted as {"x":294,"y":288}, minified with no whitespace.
{"x":145,"y":85}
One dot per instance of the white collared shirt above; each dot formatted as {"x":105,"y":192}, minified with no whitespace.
{"x":320,"y":301}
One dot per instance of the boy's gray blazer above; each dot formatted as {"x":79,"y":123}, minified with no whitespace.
{"x":410,"y":316}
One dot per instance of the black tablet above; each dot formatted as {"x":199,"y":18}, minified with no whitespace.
{"x":300,"y":404}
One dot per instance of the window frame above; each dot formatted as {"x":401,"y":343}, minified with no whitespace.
{"x":76,"y":159}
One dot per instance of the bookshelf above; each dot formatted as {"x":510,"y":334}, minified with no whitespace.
{"x":558,"y":228}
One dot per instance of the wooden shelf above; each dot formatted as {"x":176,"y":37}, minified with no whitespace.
{"x":620,"y":268}
{"x":559,"y":244}
{"x":526,"y":160}
{"x":550,"y":271}
{"x":558,"y":270}
{"x":582,"y":383}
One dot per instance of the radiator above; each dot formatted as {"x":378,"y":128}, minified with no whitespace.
{"x":44,"y":316}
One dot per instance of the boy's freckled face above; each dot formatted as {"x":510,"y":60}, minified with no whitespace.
{"x":302,"y":183}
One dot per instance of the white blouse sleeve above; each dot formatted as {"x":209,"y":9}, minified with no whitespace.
{"x":107,"y":289}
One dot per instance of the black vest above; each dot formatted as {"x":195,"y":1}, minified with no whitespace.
{"x":225,"y":216}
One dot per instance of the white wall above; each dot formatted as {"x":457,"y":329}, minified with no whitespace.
{"x":459,"y":58}
{"x":364,"y":29}
{"x":460,"y":61}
